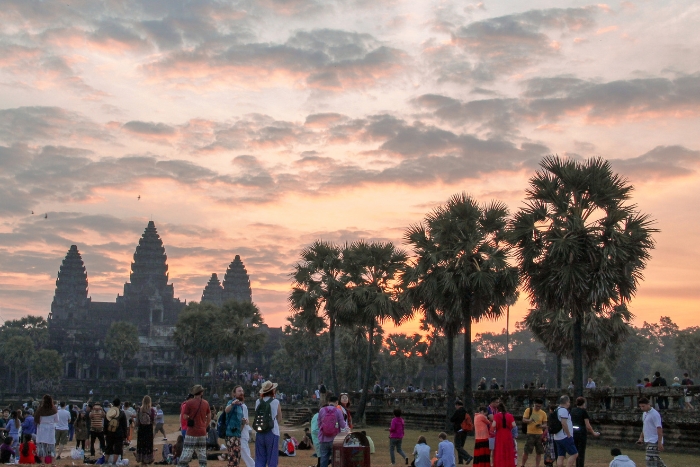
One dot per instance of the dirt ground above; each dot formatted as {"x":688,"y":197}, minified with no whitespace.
{"x":597,"y":454}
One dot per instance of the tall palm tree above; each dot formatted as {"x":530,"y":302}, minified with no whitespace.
{"x":373,"y":271}
{"x":318,"y":284}
{"x":602,"y":332}
{"x":581,"y":246}
{"x":468,"y":260}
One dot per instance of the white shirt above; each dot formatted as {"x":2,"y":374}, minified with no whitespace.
{"x":564,"y":417}
{"x":245,"y":432}
{"x":46,"y":431}
{"x":274,"y":408}
{"x":422,"y":453}
{"x":63,"y":420}
{"x":652,"y":421}
{"x":590,"y":385}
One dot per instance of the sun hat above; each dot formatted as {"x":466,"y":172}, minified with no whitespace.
{"x":267,"y":386}
{"x":197,"y":389}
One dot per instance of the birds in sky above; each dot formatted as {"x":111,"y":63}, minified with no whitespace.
{"x":32,"y":212}
{"x":138,"y":198}
{"x":46,"y":216}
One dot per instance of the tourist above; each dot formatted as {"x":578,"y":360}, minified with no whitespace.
{"x":652,"y":435}
{"x":6,"y":451}
{"x":115,"y":434}
{"x":571,"y":386}
{"x":503,"y":424}
{"x":314,"y":435}
{"x":177,"y":448}
{"x":581,"y":422}
{"x":306,"y":442}
{"x":640,"y":384}
{"x":212,"y":437}
{"x":245,"y":439}
{"x":97,"y":425}
{"x":236,"y":414}
{"x":446,"y":452}
{"x":492,"y":409}
{"x":647,"y":383}
{"x":344,"y":407}
{"x":330,"y":422}
{"x":81,"y":431}
{"x":550,"y":452}
{"x":183,"y":422}
{"x":536,"y":420}
{"x":131,"y":421}
{"x":71,"y":424}
{"x":197,"y":416}
{"x":160,"y":423}
{"x":145,"y":417}
{"x":482,"y":384}
{"x":482,"y":428}
{"x":289,"y":449}
{"x":27,"y":451}
{"x":659,"y":381}
{"x":564,"y":439}
{"x":13,"y":427}
{"x":28,"y":426}
{"x":396,"y":433}
{"x":421,"y":453}
{"x":494,"y":384}
{"x":45,"y":419}
{"x":457,"y":419}
{"x":323,"y":392}
{"x":620,"y":460}
{"x":688,"y":395}
{"x":62,"y":429}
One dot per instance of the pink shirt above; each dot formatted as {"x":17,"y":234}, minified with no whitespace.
{"x":396,"y":429}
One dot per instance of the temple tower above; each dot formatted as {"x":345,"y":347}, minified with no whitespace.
{"x":237,"y":282}
{"x":149,"y":271}
{"x":70,"y":300}
{"x":213,"y":292}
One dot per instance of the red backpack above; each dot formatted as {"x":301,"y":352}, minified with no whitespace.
{"x":290,"y":446}
{"x":327,"y":418}
{"x":467,"y":424}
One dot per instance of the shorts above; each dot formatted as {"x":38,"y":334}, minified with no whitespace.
{"x":62,"y":437}
{"x":114,"y":445}
{"x":534,"y":442}
{"x":565,"y":446}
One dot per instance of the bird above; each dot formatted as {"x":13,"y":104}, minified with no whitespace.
{"x":46,"y":216}
{"x":138,"y":198}
{"x":32,"y":212}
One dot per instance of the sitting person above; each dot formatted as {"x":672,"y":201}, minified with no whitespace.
{"x":27,"y":451}
{"x":6,"y":451}
{"x":212,"y":437}
{"x":306,"y":442}
{"x":177,"y":449}
{"x":290,"y":449}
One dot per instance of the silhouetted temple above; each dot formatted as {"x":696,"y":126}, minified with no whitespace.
{"x":236,"y":285}
{"x":78,"y":326}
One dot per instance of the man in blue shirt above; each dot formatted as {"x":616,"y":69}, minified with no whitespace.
{"x":446,"y":452}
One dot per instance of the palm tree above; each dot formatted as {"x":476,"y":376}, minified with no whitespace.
{"x":237,"y":329}
{"x":461,"y":245}
{"x":603,"y":331}
{"x":318,"y":283}
{"x":373,"y":270}
{"x":581,"y":247}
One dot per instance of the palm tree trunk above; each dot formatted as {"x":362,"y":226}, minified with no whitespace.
{"x":368,"y":372}
{"x":334,"y":370}
{"x":450,"y":389}
{"x":467,"y":388}
{"x":578,"y":357}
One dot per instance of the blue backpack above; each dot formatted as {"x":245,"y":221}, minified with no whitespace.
{"x":221,"y":425}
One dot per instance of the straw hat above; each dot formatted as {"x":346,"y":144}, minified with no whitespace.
{"x":267,"y":386}
{"x":196,"y":389}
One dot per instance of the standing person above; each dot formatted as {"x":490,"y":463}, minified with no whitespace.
{"x":396,"y":433}
{"x":482,"y":428}
{"x":245,"y":442}
{"x":659,"y":381}
{"x":582,"y":426}
{"x":130,"y":421}
{"x":314,"y":435}
{"x":13,"y":426}
{"x":71,"y":424}
{"x":145,"y":417}
{"x":197,"y":416}
{"x":234,"y":424}
{"x":45,"y":418}
{"x":330,"y":422}
{"x":564,"y":439}
{"x":503,"y":424}
{"x":115,"y":433}
{"x":688,"y":395}
{"x":183,"y":422}
{"x":421,"y":453}
{"x":460,"y":434}
{"x":324,"y":393}
{"x":590,"y":384}
{"x":62,"y":429}
{"x":652,"y":435}
{"x":446,"y":452}
{"x":97,"y":426}
{"x":160,"y":423}
{"x":344,"y":407}
{"x":28,"y":426}
{"x":81,"y":430}
{"x":268,"y":418}
{"x":536,"y":420}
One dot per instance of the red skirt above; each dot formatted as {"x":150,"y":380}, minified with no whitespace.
{"x":482,"y":453}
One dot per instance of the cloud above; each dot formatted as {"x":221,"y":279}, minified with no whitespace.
{"x":487,"y":49}
{"x":661,"y":163}
{"x":42,"y":124}
{"x":322,"y":59}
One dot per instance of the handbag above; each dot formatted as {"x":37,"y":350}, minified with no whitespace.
{"x":190,"y":421}
{"x":525,"y":424}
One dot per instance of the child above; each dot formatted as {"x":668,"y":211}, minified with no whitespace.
{"x":396,"y":433}
{"x":27,"y":451}
{"x":421,"y":453}
{"x":446,"y":452}
{"x":289,"y":446}
{"x":6,"y":450}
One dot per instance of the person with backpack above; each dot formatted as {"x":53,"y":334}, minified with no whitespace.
{"x":231,"y":423}
{"x":268,"y":418}
{"x":534,"y":422}
{"x":462,"y":423}
{"x":582,"y":426}
{"x":97,"y":416}
{"x":330,"y":423}
{"x":197,"y":417}
{"x":115,"y":432}
{"x":145,"y":417}
{"x":289,"y":449}
{"x":562,"y":429}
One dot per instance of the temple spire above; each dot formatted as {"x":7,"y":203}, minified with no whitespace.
{"x":213,"y":292}
{"x":237,"y":282}
{"x":149,"y":271}
{"x":71,"y":285}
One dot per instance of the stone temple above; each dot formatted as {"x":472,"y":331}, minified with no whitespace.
{"x":78,"y":325}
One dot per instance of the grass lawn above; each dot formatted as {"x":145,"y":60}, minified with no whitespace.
{"x":596,"y":455}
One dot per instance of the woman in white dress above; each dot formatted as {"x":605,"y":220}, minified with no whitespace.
{"x":46,"y":418}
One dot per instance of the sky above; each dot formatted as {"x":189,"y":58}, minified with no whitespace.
{"x":256,"y":127}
